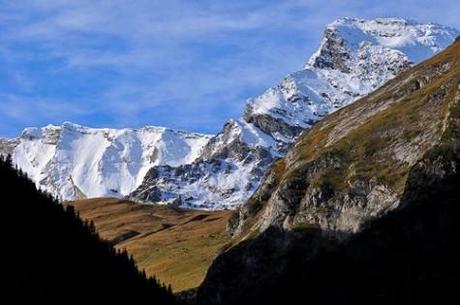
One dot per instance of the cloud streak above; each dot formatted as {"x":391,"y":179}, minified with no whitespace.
{"x":184,"y":64}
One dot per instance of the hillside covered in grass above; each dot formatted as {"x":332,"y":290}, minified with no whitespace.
{"x":52,"y":255}
{"x":353,"y":166}
{"x":175,"y":245}
{"x":363,"y":209}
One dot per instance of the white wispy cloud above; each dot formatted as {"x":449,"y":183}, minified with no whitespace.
{"x":188,"y":64}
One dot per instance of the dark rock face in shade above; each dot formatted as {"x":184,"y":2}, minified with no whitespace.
{"x":364,"y":207}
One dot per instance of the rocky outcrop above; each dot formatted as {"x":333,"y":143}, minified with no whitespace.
{"x":7,"y":146}
{"x":410,"y":253}
{"x":228,"y":173}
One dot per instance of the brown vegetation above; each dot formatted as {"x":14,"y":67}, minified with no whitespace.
{"x":175,"y":245}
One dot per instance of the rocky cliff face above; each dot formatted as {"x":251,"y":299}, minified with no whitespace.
{"x":394,"y":152}
{"x":73,"y":161}
{"x":353,"y":165}
{"x":354,"y":58}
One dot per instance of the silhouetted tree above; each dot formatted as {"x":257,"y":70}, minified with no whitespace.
{"x":52,"y":255}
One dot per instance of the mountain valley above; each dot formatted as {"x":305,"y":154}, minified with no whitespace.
{"x":176,"y":246}
{"x":339,"y":185}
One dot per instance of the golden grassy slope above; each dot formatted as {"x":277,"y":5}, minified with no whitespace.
{"x":375,"y":140}
{"x":400,"y":113}
{"x":177,"y":246}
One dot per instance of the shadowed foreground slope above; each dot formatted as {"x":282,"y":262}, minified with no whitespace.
{"x":364,"y":208}
{"x":52,"y":255}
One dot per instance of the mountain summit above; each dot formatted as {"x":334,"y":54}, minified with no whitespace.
{"x":355,"y":57}
{"x":73,"y":162}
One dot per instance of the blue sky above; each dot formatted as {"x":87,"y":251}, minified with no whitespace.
{"x":183,"y":64}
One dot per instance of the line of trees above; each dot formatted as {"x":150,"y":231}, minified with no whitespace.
{"x":54,"y":255}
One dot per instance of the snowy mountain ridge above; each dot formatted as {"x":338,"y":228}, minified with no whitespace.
{"x":355,"y":57}
{"x":160,"y":165}
{"x":72,"y":161}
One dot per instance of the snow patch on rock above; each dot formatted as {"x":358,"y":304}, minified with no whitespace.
{"x":71,"y":161}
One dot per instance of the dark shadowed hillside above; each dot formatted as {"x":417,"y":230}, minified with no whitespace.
{"x":52,"y":255}
{"x":364,"y":208}
{"x":410,"y":256}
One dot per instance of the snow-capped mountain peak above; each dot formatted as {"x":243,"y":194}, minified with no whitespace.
{"x":417,"y":41}
{"x":354,"y":58}
{"x":73,"y":161}
{"x":160,"y":165}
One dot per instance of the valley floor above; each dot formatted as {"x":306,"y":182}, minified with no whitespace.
{"x":175,"y":245}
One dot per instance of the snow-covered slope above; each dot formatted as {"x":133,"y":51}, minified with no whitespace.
{"x":354,"y":58}
{"x":73,"y":161}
